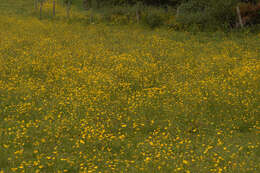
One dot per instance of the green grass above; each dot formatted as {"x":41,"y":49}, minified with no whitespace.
{"x":82,"y":97}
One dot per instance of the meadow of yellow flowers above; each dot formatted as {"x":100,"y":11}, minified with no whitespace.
{"x":99,"y":98}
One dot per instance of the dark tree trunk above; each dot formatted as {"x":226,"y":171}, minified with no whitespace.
{"x":41,"y":4}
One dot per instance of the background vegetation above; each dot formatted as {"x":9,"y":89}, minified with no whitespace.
{"x":200,"y":15}
{"x":189,"y":15}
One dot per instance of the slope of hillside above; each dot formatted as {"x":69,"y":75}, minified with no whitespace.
{"x":78,"y":97}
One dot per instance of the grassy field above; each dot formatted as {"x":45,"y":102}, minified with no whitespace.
{"x":78,"y":97}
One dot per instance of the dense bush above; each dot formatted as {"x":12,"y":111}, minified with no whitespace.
{"x":192,"y":12}
{"x":153,"y":17}
{"x":207,"y":14}
{"x":223,"y":12}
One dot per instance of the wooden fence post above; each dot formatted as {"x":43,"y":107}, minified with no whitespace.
{"x":137,"y":15}
{"x":178,"y":12}
{"x":36,"y":5}
{"x":138,"y":12}
{"x":239,"y":17}
{"x":41,"y":4}
{"x":68,"y":9}
{"x":53,"y":10}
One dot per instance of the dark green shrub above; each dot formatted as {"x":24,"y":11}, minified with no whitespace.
{"x":153,"y":20}
{"x":153,"y":17}
{"x":210,"y":14}
{"x":223,"y":12}
{"x":192,"y":13}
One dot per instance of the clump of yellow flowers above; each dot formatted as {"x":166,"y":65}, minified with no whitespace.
{"x":98,"y":98}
